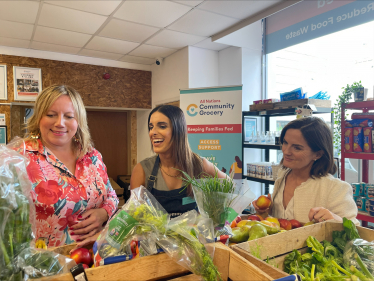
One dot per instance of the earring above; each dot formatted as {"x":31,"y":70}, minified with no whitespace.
{"x":315,"y":160}
{"x":35,"y":136}
{"x":75,"y":138}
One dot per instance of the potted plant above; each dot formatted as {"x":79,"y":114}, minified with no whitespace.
{"x":343,"y":98}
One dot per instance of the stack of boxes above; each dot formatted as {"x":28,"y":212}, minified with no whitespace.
{"x":363,"y":194}
{"x":358,"y":136}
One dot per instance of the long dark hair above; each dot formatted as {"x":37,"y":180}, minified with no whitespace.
{"x":185,"y":159}
{"x":319,"y":138}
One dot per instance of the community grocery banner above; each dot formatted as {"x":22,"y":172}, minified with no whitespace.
{"x":315,"y":18}
{"x":214,"y":124}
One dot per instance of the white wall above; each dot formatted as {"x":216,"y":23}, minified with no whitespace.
{"x":169,"y":77}
{"x":143,"y":143}
{"x":230,"y":66}
{"x":202,"y":68}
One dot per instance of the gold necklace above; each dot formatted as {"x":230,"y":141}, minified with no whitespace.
{"x":169,"y":174}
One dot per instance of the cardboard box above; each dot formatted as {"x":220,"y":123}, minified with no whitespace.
{"x":358,"y":139}
{"x":281,"y":244}
{"x":367,"y":140}
{"x":160,"y":267}
{"x":348,"y":139}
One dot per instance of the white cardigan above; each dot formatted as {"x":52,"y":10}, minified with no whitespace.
{"x":327,"y":192}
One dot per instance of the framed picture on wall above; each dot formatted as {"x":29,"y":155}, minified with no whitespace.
{"x":3,"y":135}
{"x":3,"y":83}
{"x":250,"y":125}
{"x":27,"y":83}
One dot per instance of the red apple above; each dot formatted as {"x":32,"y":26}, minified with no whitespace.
{"x":253,"y":218}
{"x":85,"y":266}
{"x":285,"y":224}
{"x":263,"y":202}
{"x":81,"y":255}
{"x":295,"y":224}
{"x":238,"y":219}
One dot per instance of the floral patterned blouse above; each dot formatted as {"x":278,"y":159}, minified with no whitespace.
{"x":60,"y":197}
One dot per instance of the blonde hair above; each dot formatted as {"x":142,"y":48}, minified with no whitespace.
{"x":45,"y":100}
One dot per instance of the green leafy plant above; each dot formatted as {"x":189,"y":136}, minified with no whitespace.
{"x":343,"y":98}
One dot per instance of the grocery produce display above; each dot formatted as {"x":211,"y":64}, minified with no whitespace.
{"x":347,"y":257}
{"x":257,"y":226}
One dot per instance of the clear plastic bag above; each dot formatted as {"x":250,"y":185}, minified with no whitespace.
{"x":223,"y":207}
{"x":133,"y":230}
{"x":184,"y":243}
{"x":17,"y":211}
{"x":360,"y":254}
{"x":37,"y":263}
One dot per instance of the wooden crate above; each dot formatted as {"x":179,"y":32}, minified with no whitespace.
{"x":262,"y":106}
{"x":276,"y":247}
{"x":301,"y":102}
{"x":160,"y":267}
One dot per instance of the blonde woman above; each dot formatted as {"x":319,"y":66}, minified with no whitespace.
{"x":71,"y":191}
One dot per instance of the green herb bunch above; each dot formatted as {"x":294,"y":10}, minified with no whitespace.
{"x":216,"y":195}
{"x":200,"y":261}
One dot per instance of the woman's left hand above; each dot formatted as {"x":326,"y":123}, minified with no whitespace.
{"x":92,"y":223}
{"x":320,"y":214}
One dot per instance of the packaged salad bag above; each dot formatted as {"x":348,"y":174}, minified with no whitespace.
{"x":133,"y":230}
{"x":19,"y":260}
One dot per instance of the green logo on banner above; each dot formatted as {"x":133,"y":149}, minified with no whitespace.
{"x":119,"y":227}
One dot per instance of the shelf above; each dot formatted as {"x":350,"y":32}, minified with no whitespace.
{"x":259,"y":180}
{"x":363,"y":216}
{"x":360,"y":105}
{"x":363,"y":156}
{"x":261,"y":146}
{"x":283,"y":112}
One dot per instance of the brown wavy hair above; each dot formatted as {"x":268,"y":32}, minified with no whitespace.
{"x":319,"y":138}
{"x":188,"y":161}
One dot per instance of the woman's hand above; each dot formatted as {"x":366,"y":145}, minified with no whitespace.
{"x":88,"y":241}
{"x":92,"y":223}
{"x":321,"y":214}
{"x":254,"y":203}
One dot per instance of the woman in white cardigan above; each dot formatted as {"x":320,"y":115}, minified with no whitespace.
{"x":305,"y":190}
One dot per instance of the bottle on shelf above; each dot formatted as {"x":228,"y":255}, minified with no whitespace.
{"x":268,"y":138}
{"x":256,"y":138}
{"x":263,"y":137}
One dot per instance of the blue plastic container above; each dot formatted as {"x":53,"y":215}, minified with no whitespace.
{"x":371,"y":213}
{"x":363,"y":189}
{"x":367,"y":205}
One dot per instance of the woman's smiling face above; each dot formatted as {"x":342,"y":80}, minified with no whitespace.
{"x":297,"y":154}
{"x":160,"y":132}
{"x":59,"y":125}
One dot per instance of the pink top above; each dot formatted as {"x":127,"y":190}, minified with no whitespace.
{"x":60,"y":197}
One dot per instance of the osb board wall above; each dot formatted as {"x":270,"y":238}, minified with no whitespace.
{"x":127,"y":88}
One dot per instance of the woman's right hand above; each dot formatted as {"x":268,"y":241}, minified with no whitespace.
{"x":258,"y":210}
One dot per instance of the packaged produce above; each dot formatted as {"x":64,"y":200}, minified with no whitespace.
{"x":358,"y":139}
{"x":356,"y":188}
{"x":17,"y":212}
{"x":358,"y":123}
{"x":348,"y":139}
{"x":139,"y":221}
{"x":367,"y":140}
{"x":37,"y":263}
{"x":184,"y":242}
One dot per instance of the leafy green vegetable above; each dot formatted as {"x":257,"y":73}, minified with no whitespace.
{"x":315,"y":245}
{"x":200,"y":261}
{"x":350,"y":229}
